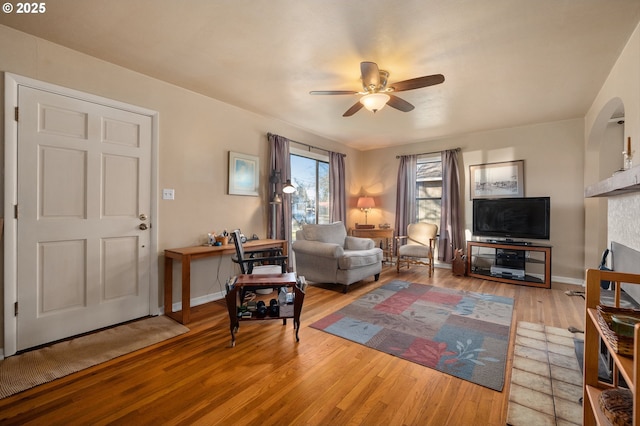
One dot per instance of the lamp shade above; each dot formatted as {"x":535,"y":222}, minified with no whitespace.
{"x":288,"y":188}
{"x":374,"y":101}
{"x":276,"y":199}
{"x":366,"y":203}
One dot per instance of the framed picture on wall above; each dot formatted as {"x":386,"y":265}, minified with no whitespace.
{"x":497,"y":180}
{"x":244,"y":174}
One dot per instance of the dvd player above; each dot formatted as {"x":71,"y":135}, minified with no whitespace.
{"x":498,"y":271}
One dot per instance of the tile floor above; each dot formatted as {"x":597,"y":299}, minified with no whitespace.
{"x":546,"y":380}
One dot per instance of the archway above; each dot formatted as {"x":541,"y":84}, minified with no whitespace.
{"x":603,"y":157}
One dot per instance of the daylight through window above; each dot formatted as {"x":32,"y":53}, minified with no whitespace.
{"x":310,"y":202}
{"x":429,"y":189}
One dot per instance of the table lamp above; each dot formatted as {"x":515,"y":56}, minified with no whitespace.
{"x":365,"y":204}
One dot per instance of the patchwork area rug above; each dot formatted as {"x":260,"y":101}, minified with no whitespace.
{"x":24,"y":371}
{"x":461,"y":333}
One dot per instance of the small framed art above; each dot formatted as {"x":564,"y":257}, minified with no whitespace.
{"x":497,"y":180}
{"x":244,"y":174}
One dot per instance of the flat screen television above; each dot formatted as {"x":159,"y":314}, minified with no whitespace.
{"x":512,"y":217}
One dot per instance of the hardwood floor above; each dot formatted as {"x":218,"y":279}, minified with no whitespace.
{"x":269,"y":379}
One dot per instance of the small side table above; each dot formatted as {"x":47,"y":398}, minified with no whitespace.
{"x":253,"y":282}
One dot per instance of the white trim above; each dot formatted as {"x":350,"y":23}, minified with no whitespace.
{"x":200,"y":300}
{"x":10,"y":224}
{"x":314,"y":155}
{"x":11,"y":83}
{"x":567,"y":280}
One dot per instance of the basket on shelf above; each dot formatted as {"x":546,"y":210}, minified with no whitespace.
{"x":622,"y":345}
{"x":222,"y":239}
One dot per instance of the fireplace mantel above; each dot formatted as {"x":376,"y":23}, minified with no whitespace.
{"x":621,"y":183}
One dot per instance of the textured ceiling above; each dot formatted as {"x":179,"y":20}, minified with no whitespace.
{"x":506,"y":62}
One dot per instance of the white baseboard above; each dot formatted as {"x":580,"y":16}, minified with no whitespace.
{"x":568,"y":280}
{"x":201,"y":300}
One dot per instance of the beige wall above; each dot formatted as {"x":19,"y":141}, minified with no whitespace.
{"x":553,"y":166}
{"x":622,"y":85}
{"x":196,"y":134}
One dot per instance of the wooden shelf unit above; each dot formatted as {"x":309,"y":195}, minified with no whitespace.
{"x":626,"y":366}
{"x":479,"y":262}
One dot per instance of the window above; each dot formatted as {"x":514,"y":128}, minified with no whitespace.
{"x":310,"y":176}
{"x":429,"y":189}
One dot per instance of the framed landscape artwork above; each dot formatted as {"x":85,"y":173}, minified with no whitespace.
{"x":497,"y":180}
{"x":244,"y":174}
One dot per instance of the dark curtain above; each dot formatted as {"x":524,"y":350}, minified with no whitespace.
{"x":279,"y":162}
{"x":451,"y":220}
{"x":337,"y":196}
{"x":406,"y":193}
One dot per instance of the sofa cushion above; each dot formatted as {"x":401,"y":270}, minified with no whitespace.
{"x":334,"y":233}
{"x":414,"y":250}
{"x":359,"y":258}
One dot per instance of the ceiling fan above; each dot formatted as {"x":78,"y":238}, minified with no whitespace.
{"x":377,"y":93}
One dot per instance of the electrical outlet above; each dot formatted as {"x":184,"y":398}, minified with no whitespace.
{"x":168,"y":194}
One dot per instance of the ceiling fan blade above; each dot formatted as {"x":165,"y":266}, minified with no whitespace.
{"x":332,"y":92}
{"x":370,"y":75}
{"x":399,"y":104}
{"x":417,"y":83}
{"x":355,"y":108}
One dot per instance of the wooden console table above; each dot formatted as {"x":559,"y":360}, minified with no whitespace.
{"x":185,"y":255}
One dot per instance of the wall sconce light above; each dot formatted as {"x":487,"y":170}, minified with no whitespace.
{"x":365,"y":204}
{"x":274,"y":180}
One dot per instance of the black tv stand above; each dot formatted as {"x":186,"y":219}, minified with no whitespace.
{"x":514,"y":262}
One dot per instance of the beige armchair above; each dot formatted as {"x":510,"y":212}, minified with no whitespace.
{"x":326,"y":254}
{"x":417,"y":246}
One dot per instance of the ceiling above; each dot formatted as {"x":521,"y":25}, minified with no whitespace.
{"x":507,"y":63}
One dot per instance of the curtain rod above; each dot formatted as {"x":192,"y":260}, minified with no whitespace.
{"x":310,"y":146}
{"x":433,"y":152}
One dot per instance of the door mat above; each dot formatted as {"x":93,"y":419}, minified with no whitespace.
{"x":461,"y":333}
{"x":29,"y":369}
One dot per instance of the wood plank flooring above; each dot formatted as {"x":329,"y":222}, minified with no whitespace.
{"x":269,"y":379}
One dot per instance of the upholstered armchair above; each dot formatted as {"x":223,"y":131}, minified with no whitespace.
{"x":417,"y":247}
{"x":326,"y":254}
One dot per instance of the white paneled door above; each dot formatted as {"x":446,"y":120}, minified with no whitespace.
{"x":83,"y":253}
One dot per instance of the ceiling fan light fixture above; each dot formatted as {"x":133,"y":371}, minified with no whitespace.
{"x":375,"y":101}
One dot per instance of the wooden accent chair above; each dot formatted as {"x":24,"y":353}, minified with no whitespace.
{"x":417,"y":247}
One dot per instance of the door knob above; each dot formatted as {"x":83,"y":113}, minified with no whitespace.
{"x":143,"y":216}
{"x":143,"y":226}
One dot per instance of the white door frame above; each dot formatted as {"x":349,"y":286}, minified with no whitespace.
{"x":11,"y":83}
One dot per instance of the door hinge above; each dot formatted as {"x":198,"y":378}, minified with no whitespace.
{"x":15,"y":211}
{"x":17,"y":113}
{"x":15,"y":309}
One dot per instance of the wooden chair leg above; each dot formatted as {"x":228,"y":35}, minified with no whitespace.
{"x":430,"y":266}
